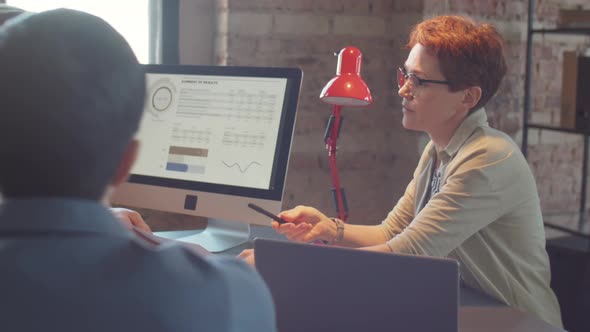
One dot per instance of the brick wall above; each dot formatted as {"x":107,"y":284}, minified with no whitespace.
{"x":555,"y":158}
{"x":376,"y":156}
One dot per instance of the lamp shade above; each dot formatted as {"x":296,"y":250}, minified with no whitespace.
{"x":347,"y":88}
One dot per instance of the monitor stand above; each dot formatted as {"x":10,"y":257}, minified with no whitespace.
{"x":218,"y":236}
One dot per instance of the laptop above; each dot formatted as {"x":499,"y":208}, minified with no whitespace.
{"x":323,"y":288}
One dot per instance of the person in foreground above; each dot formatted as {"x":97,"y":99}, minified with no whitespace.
{"x":472,"y":197}
{"x":131,"y":219}
{"x":71,"y":94}
{"x":7,"y":12}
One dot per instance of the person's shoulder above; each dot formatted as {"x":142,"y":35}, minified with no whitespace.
{"x":185,"y":261}
{"x":492,"y":144}
{"x":250,"y":306}
{"x":221,"y":284}
{"x":184,"y":265}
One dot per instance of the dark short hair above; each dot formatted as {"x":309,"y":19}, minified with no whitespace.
{"x":8,"y":12}
{"x":71,"y":97}
{"x":469,"y":54}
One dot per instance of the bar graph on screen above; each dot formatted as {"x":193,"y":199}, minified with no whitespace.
{"x":187,"y":160}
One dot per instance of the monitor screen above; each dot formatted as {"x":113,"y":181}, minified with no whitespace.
{"x":212,"y":140}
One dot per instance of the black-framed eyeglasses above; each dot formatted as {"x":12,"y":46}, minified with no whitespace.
{"x":403,"y":77}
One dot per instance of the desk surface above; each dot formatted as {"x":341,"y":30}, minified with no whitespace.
{"x":478,"y":312}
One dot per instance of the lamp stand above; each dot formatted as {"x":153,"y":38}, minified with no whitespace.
{"x":331,"y":138}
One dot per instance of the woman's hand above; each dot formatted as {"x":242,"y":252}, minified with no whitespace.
{"x":130,"y":219}
{"x":248,"y":256}
{"x":305,"y":224}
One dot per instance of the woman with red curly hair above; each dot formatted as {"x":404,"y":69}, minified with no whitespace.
{"x":473,"y":197}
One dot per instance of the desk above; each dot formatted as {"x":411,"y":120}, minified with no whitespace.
{"x":477,"y":312}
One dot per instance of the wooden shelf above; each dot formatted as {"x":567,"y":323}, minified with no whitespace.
{"x":565,"y":130}
{"x":568,"y":31}
{"x":567,"y":230}
{"x":527,"y":125}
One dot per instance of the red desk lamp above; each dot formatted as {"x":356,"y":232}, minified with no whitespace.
{"x":346,"y":89}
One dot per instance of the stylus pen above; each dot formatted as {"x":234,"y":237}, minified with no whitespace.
{"x":266,"y":213}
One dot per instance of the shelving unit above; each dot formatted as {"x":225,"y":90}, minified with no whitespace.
{"x":527,"y":109}
{"x":569,"y":255}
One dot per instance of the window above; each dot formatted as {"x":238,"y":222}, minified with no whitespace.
{"x":129,"y":17}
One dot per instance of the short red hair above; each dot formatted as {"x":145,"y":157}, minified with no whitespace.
{"x":469,"y":54}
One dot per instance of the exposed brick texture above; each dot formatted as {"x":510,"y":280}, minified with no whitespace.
{"x":555,"y":158}
{"x":376,"y":155}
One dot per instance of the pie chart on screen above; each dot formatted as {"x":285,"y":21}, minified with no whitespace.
{"x":161,"y":98}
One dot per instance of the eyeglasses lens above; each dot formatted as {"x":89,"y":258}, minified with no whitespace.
{"x":401,"y":79}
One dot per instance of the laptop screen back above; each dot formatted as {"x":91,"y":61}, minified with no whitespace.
{"x":319,"y":288}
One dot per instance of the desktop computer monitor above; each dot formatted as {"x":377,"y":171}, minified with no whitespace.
{"x":212,"y":140}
